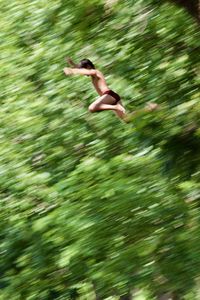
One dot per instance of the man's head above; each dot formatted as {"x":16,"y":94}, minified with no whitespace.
{"x":86,"y":64}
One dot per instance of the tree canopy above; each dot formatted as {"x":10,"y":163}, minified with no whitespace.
{"x":92,"y":207}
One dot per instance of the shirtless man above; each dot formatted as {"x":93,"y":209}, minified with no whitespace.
{"x":108,"y":99}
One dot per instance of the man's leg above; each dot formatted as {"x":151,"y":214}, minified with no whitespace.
{"x":148,"y":108}
{"x":107,"y":102}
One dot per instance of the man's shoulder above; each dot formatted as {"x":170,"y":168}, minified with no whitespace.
{"x":99,"y":74}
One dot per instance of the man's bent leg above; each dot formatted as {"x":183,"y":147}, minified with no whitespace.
{"x":107,"y":102}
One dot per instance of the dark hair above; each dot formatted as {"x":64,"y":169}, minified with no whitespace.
{"x":86,"y":63}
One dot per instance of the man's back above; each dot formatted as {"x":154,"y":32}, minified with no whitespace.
{"x":99,"y":82}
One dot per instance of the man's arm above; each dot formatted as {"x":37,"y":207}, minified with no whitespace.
{"x":82,"y":71}
{"x":71,"y":63}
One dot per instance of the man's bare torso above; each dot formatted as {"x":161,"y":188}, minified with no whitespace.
{"x":99,"y":83}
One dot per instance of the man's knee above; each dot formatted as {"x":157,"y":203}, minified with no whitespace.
{"x":92,"y":108}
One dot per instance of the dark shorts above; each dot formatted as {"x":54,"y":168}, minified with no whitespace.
{"x":113,"y":94}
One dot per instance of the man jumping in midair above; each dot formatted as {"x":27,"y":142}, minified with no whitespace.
{"x":108,"y":99}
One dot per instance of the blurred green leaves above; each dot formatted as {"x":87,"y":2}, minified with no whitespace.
{"x":91,"y":205}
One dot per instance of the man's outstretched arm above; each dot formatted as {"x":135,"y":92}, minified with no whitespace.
{"x":82,"y":71}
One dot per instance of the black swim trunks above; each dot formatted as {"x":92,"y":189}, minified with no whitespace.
{"x":113,"y":94}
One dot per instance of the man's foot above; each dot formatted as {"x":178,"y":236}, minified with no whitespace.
{"x":120,"y":111}
{"x":152,"y":106}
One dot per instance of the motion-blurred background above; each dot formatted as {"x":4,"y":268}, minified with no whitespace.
{"x":91,"y":207}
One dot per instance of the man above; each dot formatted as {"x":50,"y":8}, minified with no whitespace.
{"x":108,"y":100}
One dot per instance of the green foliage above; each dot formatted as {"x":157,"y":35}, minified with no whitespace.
{"x":90,"y":205}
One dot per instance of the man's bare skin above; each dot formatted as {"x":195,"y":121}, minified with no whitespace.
{"x":108,"y":99}
{"x":105,"y":101}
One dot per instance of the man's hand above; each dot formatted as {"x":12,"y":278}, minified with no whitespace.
{"x":70,"y":62}
{"x":68,"y":71}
